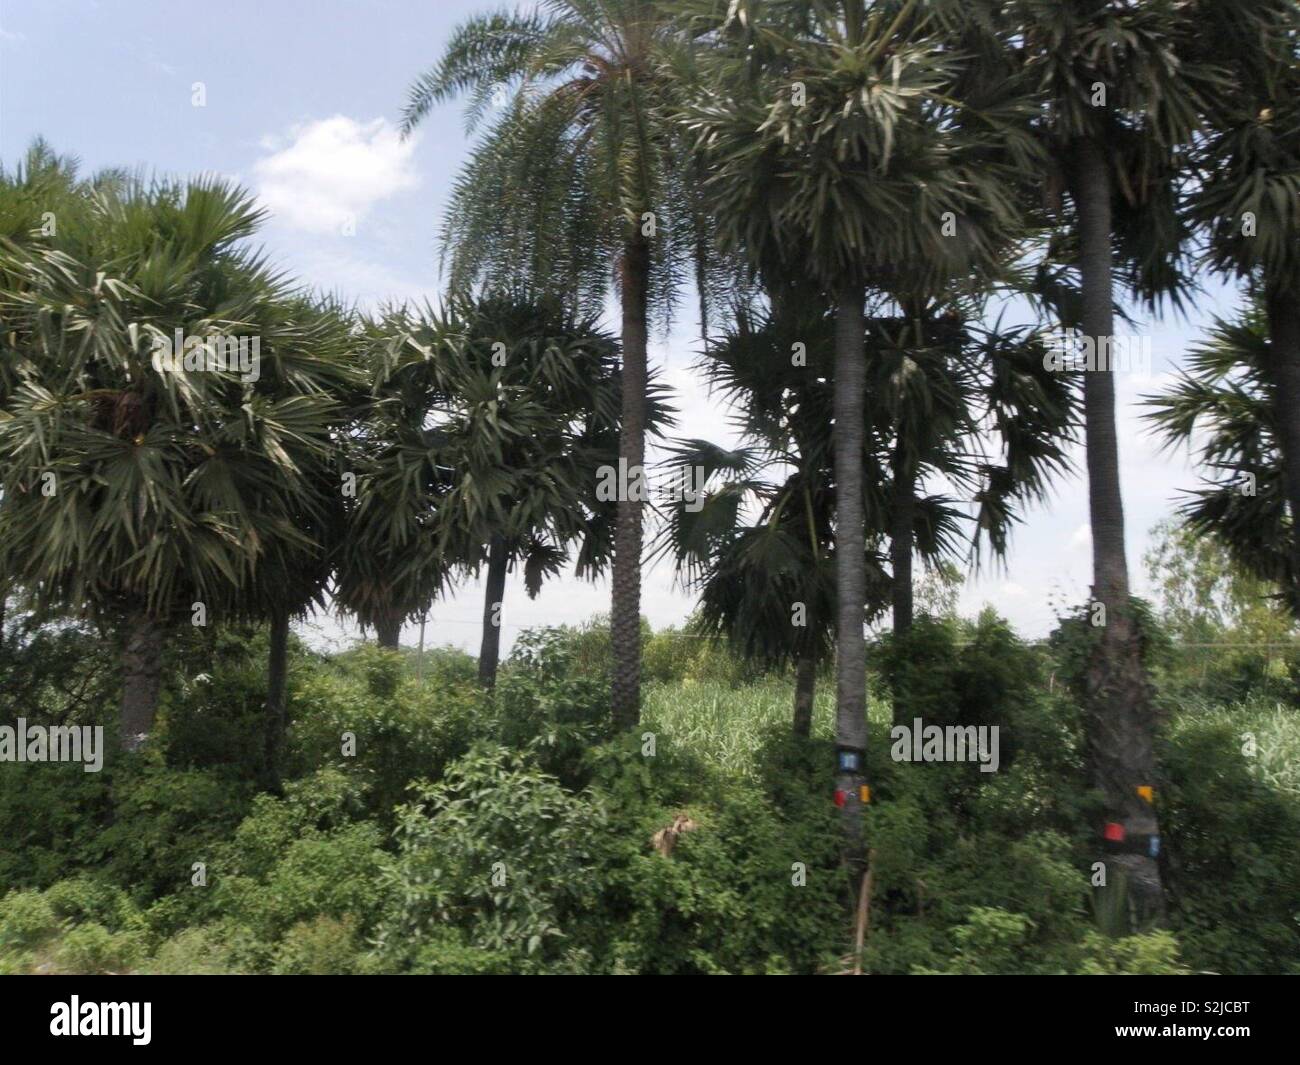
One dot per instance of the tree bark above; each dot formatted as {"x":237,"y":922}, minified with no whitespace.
{"x":490,"y":649}
{"x":805,"y":691}
{"x":388,"y":632}
{"x":276,"y":703}
{"x":141,"y":679}
{"x":625,"y":612}
{"x":1119,"y":709}
{"x":1283,"y":309}
{"x":850,"y":561}
{"x":901,"y":539}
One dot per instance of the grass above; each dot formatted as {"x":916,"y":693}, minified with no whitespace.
{"x":1274,"y":728}
{"x":725,"y":724}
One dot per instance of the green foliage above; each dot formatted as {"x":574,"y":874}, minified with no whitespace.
{"x":324,"y":946}
{"x":164,"y":821}
{"x":26,"y":920}
{"x":497,"y":849}
{"x":92,"y":948}
{"x":1232,"y":819}
{"x":200,"y":951}
{"x":554,"y":698}
{"x":973,"y":873}
{"x":1150,"y":954}
{"x":402,"y":729}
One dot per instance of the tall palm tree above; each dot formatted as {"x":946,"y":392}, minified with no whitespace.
{"x":579,"y":172}
{"x":1245,"y":201}
{"x":293,"y":575}
{"x":759,"y":544}
{"x":836,"y":149}
{"x":134,"y":488}
{"x":972,"y":406}
{"x":1119,"y":155}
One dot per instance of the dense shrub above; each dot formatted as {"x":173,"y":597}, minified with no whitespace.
{"x":496,"y":850}
{"x":513,"y":831}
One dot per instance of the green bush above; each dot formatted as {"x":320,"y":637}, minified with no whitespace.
{"x":26,"y":920}
{"x":496,"y":849}
{"x":91,"y":948}
{"x":166,"y":820}
{"x":323,"y":946}
{"x":85,"y":898}
{"x":399,"y":735}
{"x":199,"y":951}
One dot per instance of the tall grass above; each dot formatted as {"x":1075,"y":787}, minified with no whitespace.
{"x":1273,"y":727}
{"x":726,"y":724}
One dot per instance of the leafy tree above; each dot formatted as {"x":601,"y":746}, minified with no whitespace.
{"x":1204,"y":595}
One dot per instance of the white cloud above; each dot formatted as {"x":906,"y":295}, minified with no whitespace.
{"x":1082,"y":538}
{"x":329,"y":173}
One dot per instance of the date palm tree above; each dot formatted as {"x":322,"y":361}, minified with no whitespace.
{"x":578,"y":179}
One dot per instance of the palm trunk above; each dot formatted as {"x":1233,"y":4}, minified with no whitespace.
{"x":388,"y":632}
{"x":625,"y":612}
{"x":902,"y":536}
{"x":141,"y":679}
{"x":1284,"y":342}
{"x":490,"y":648}
{"x":1121,"y":722}
{"x":805,"y":690}
{"x":850,"y":562}
{"x":276,"y":705}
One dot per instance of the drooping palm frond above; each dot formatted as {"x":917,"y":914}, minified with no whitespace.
{"x":1222,"y":407}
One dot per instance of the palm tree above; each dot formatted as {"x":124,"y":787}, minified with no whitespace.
{"x":522,"y":400}
{"x":973,"y":406}
{"x":836,"y":150}
{"x":579,"y":172}
{"x":135,"y":488}
{"x":759,"y":546}
{"x":1249,"y":170}
{"x":32,"y":197}
{"x":386,"y":566}
{"x":1118,"y":155}
{"x":293,"y":575}
{"x":1224,"y":405}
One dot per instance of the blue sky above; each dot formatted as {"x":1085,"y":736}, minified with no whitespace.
{"x":300,"y":103}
